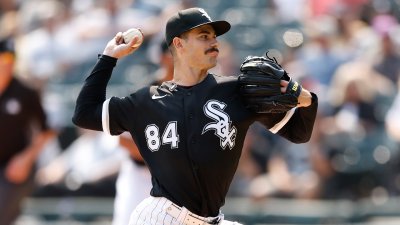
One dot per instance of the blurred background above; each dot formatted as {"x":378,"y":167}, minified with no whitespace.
{"x":346,"y":51}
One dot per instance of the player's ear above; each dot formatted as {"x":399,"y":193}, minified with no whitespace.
{"x":177,"y":43}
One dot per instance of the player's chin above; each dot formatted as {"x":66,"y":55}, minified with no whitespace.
{"x":212,"y":64}
{"x":213,"y":58}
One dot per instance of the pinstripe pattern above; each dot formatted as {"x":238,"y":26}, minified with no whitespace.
{"x":152,"y":211}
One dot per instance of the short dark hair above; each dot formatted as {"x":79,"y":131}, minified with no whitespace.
{"x":163,"y":47}
{"x":184,"y":36}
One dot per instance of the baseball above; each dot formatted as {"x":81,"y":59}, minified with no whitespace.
{"x":130,"y":34}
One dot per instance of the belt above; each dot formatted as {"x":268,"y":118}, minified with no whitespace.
{"x":188,"y":218}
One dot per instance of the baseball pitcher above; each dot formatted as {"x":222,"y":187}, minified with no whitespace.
{"x":190,"y":130}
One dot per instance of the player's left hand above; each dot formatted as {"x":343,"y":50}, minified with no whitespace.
{"x":266,"y":87}
{"x":117,"y":48}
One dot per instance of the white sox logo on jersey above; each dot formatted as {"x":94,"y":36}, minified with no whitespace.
{"x":215,"y":110}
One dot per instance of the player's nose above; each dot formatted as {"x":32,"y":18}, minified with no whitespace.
{"x":214,"y":42}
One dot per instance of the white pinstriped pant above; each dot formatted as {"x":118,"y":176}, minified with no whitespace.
{"x":153,"y":211}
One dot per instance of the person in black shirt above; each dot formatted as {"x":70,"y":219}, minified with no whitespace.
{"x":190,"y":130}
{"x":20,"y":111}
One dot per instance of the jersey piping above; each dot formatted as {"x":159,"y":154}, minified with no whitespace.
{"x":105,"y":120}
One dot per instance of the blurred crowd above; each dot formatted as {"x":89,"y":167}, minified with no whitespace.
{"x":346,"y":51}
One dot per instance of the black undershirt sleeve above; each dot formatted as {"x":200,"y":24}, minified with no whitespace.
{"x":88,"y":109}
{"x":300,"y":126}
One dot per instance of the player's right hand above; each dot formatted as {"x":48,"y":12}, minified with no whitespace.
{"x":117,"y":48}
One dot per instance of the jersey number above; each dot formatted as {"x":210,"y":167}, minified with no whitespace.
{"x":170,"y":136}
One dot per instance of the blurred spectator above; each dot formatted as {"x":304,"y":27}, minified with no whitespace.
{"x":279,"y":168}
{"x":9,"y":23}
{"x":156,"y":25}
{"x":318,"y":55}
{"x":41,"y":50}
{"x":254,"y":159}
{"x":290,"y":11}
{"x":24,"y":132}
{"x":88,"y":167}
{"x":392,"y":119}
{"x":133,"y":182}
{"x":227,"y":60}
{"x":392,"y":125}
{"x":388,"y":59}
{"x":165,"y":71}
{"x":356,"y":148}
{"x":7,"y":5}
{"x":324,"y":7}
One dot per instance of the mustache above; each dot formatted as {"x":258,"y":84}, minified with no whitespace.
{"x":211,"y":50}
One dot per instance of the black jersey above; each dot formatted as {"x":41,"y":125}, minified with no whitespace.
{"x":20,"y":110}
{"x":190,"y":137}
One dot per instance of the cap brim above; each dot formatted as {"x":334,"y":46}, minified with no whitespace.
{"x":220,"y":26}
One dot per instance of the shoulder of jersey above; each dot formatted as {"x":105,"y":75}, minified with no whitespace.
{"x":159,"y":92}
{"x":222,"y":79}
{"x":24,"y":88}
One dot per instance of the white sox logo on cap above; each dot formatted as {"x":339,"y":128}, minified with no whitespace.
{"x":215,"y":110}
{"x":187,"y":19}
{"x":204,"y":13}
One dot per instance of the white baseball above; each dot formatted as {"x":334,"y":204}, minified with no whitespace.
{"x":132,"y":33}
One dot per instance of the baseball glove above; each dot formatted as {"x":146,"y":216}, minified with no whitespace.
{"x":260,"y":86}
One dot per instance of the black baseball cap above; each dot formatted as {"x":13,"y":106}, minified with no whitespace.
{"x":190,"y":18}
